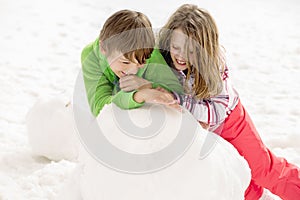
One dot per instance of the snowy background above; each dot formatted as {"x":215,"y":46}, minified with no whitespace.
{"x":40,"y":46}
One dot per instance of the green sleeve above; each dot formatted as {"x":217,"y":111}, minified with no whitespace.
{"x":161,"y":74}
{"x":99,"y":89}
{"x":125,"y":100}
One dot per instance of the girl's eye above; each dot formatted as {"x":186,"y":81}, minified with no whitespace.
{"x":125,"y":62}
{"x":175,"y":47}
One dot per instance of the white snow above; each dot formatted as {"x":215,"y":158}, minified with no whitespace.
{"x":51,"y":129}
{"x":41,"y":42}
{"x":223,"y":171}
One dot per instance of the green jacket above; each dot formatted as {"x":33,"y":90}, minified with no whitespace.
{"x":101,"y":83}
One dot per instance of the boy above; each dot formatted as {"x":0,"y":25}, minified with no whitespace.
{"x":122,"y":67}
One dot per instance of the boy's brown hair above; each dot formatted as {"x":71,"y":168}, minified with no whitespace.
{"x":130,"y":33}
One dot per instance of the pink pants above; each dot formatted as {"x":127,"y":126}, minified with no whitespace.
{"x":268,"y":171}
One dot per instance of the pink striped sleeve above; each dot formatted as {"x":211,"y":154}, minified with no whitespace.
{"x":214,"y":110}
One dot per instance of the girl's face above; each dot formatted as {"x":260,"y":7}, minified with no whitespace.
{"x":121,"y":66}
{"x":178,"y":51}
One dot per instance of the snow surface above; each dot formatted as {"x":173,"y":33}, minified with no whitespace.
{"x":41,"y":42}
{"x":222,"y":174}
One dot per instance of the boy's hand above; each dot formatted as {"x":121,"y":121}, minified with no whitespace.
{"x":133,"y":82}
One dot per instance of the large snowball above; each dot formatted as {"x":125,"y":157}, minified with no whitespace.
{"x":51,"y":129}
{"x":222,"y":174}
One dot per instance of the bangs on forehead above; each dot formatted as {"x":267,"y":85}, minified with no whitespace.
{"x":188,"y":39}
{"x":184,"y":36}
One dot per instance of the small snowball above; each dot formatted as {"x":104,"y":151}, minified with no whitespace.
{"x":51,"y":129}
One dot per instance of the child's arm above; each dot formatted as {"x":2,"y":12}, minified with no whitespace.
{"x":132,"y":82}
{"x":94,"y":80}
{"x":99,"y":89}
{"x":211,"y":111}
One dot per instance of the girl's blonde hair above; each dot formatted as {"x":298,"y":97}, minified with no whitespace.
{"x":201,"y":32}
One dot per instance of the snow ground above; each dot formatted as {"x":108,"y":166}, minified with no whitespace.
{"x":40,"y":50}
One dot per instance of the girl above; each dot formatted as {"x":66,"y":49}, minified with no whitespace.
{"x":189,"y":44}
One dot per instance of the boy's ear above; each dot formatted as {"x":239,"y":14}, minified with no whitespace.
{"x":102,"y":50}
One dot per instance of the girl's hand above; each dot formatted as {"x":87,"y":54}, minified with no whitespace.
{"x":162,"y":89}
{"x":155,"y":96}
{"x":133,"y":82}
{"x":204,"y":125}
{"x":174,"y":105}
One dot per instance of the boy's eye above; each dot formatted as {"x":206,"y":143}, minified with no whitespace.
{"x":125,"y":62}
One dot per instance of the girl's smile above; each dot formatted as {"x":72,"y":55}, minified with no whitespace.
{"x":180,"y":62}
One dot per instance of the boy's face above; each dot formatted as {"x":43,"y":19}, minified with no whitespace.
{"x":177,"y":50}
{"x":121,"y":66}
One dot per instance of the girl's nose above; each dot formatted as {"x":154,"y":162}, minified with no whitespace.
{"x":180,"y":53}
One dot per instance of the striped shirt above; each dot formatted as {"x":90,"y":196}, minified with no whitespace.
{"x":214,"y":110}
